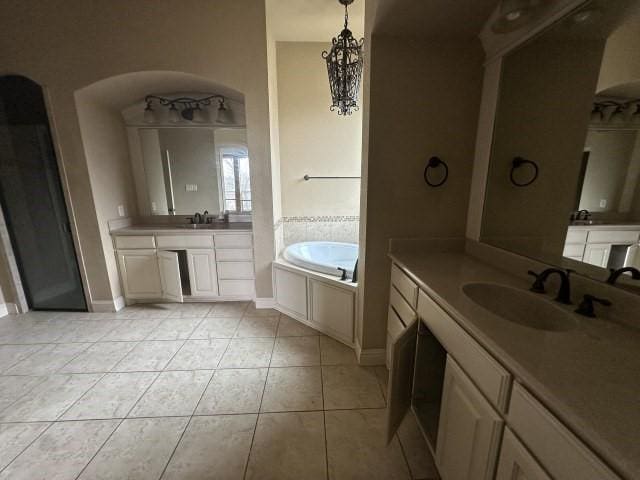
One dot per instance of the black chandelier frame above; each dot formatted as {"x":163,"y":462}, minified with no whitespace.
{"x":344,"y":67}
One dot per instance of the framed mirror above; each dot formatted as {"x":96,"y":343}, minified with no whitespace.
{"x":183,"y":170}
{"x":563,"y":185}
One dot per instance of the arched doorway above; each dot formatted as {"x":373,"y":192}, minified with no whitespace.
{"x":33,"y":202}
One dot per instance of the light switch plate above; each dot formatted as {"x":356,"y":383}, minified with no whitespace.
{"x":603,"y":203}
{"x":121,"y":210}
{"x":191,"y":187}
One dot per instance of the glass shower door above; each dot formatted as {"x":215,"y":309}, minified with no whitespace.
{"x":32,"y":200}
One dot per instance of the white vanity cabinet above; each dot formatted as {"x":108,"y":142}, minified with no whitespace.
{"x":478,"y":423}
{"x":469,"y":429}
{"x":181,"y":267}
{"x":516,"y":463}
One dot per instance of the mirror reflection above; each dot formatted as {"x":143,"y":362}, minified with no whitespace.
{"x":189,"y":170}
{"x":569,"y":105}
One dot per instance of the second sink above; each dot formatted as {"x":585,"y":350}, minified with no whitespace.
{"x":520,"y":306}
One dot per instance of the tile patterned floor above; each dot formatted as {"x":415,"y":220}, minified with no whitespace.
{"x":192,"y":391}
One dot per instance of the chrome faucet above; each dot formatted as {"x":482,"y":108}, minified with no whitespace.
{"x":615,"y":274}
{"x":564,"y":293}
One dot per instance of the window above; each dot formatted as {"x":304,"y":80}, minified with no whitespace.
{"x":236,"y":195}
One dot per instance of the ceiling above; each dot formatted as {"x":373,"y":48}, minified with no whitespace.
{"x":312,"y":20}
{"x":432,"y":18}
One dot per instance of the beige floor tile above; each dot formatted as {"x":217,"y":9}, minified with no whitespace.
{"x":346,"y":386}
{"x":149,"y":356}
{"x":199,"y":354}
{"x":292,"y":389}
{"x":213,"y":448}
{"x":48,"y":331}
{"x":252,"y":311}
{"x":12,"y":354}
{"x":233,"y":391}
{"x":99,"y":357}
{"x":288,"y":446}
{"x":143,"y":312}
{"x":216,"y":327}
{"x":48,"y":360}
{"x":15,"y":437}
{"x":50,"y":398}
{"x":61,"y":452}
{"x":357,"y":448}
{"x":228,"y":309}
{"x":131,"y":330}
{"x":257,"y":327}
{"x":335,"y":353}
{"x":112,"y":397}
{"x":173,"y":394}
{"x":383,"y":378}
{"x":12,"y":388}
{"x":419,"y":458}
{"x":175,"y":329}
{"x":288,"y":327}
{"x":248,"y":353}
{"x":189,"y":310}
{"x":139,"y":449}
{"x":296,"y":352}
{"x":85,"y":331}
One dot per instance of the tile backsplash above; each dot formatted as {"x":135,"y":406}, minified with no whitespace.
{"x":329,"y":228}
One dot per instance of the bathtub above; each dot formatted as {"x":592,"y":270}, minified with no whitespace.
{"x":323,"y":257}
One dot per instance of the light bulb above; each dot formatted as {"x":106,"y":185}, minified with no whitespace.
{"x":225,"y":115}
{"x":149,"y":114}
{"x":174,"y":115}
{"x":199,"y":115}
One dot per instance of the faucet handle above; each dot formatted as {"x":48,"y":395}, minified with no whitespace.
{"x":538,"y":284}
{"x":344,"y":273}
{"x":586,"y":307}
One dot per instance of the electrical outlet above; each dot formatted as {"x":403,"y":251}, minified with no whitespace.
{"x":191,"y":187}
{"x":603,"y":203}
{"x":154,"y":207}
{"x":121,"y":210}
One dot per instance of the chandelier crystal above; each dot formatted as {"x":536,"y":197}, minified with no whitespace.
{"x":344,"y":66}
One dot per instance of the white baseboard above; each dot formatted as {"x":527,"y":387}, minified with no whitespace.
{"x":107,"y":306}
{"x":371,"y":356}
{"x":267,"y":302}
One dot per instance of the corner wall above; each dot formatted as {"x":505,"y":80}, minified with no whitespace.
{"x":424,"y":98}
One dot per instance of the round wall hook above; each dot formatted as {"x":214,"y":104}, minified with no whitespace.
{"x":436,"y":162}
{"x":518,"y":162}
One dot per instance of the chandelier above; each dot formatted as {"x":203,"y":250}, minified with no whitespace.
{"x":344,"y":66}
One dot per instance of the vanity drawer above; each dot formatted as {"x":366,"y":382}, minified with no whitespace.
{"x":184,"y":241}
{"x":235,"y":270}
{"x":400,"y":306}
{"x":407,"y":288}
{"x":612,"y":236}
{"x":134,"y":241}
{"x":235,"y":288}
{"x":233,"y":240}
{"x":489,"y":376}
{"x":576,"y":236}
{"x":558,"y":450}
{"x":574,"y":251}
{"x":234,"y":255}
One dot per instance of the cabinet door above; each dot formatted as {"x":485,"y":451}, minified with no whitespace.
{"x":516,"y":463}
{"x":202,"y":273}
{"x":140,"y":274}
{"x":169,"y":267}
{"x":469,"y":429}
{"x":597,"y":254}
{"x":403,"y":352}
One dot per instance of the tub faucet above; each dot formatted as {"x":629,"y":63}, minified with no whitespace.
{"x":613,"y":276}
{"x":564,"y":293}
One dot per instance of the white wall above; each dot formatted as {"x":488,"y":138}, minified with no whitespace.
{"x":314,"y":140}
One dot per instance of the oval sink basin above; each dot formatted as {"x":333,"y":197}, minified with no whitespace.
{"x":519,"y":306}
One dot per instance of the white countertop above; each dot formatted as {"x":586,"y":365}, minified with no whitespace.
{"x":607,"y":226}
{"x":588,"y":377}
{"x":174,"y":229}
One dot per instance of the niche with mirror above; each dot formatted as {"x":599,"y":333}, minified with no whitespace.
{"x":569,"y":105}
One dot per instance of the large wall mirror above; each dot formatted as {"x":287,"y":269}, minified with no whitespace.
{"x":564,"y":180}
{"x":183,"y":170}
